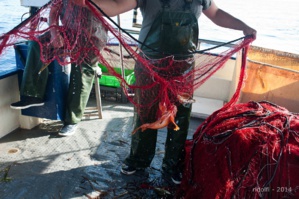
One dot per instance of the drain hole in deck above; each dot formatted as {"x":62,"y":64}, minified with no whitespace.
{"x":11,"y":151}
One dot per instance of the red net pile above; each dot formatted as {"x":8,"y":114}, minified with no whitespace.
{"x":246,"y":150}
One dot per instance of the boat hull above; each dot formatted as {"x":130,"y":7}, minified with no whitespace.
{"x":272,"y":76}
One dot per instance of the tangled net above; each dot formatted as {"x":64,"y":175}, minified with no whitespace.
{"x":246,"y":150}
{"x":241,"y":151}
{"x":85,"y":32}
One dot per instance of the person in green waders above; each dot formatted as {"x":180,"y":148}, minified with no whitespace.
{"x":33,"y":84}
{"x":153,"y":11}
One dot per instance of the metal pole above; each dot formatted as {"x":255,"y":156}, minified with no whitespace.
{"x":123,"y":97}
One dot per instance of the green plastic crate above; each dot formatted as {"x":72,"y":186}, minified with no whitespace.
{"x":112,"y":81}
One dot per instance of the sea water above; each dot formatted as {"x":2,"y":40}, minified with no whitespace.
{"x":276,"y":21}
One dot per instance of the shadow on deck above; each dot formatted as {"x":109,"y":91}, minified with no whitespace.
{"x":38,"y":163}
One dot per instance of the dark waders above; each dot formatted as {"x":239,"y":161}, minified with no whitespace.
{"x":172,"y":33}
{"x":81,"y":81}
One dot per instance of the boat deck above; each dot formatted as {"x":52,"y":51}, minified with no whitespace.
{"x":38,"y":163}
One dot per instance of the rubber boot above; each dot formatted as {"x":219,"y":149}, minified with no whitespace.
{"x":175,"y":141}
{"x":143,"y":147}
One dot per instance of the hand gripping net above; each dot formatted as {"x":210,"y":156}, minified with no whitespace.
{"x":84,"y":34}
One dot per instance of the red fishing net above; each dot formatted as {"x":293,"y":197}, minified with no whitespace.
{"x":241,"y":151}
{"x":246,"y":150}
{"x":82,"y":33}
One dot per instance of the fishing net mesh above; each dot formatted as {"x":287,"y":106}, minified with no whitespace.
{"x":238,"y":148}
{"x":248,"y":150}
{"x":82,"y":35}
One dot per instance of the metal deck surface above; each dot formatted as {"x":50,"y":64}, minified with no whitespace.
{"x":40,"y":164}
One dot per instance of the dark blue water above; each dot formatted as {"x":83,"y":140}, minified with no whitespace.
{"x":10,"y":16}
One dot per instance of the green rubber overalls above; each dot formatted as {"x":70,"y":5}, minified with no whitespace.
{"x":172,"y":33}
{"x":81,"y":82}
{"x":81,"y":77}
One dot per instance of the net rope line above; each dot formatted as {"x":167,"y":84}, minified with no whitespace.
{"x":123,"y":30}
{"x":139,"y":42}
{"x":79,"y":50}
{"x":247,"y":40}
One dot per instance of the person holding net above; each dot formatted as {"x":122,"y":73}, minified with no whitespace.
{"x":53,"y":42}
{"x":160,"y":38}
